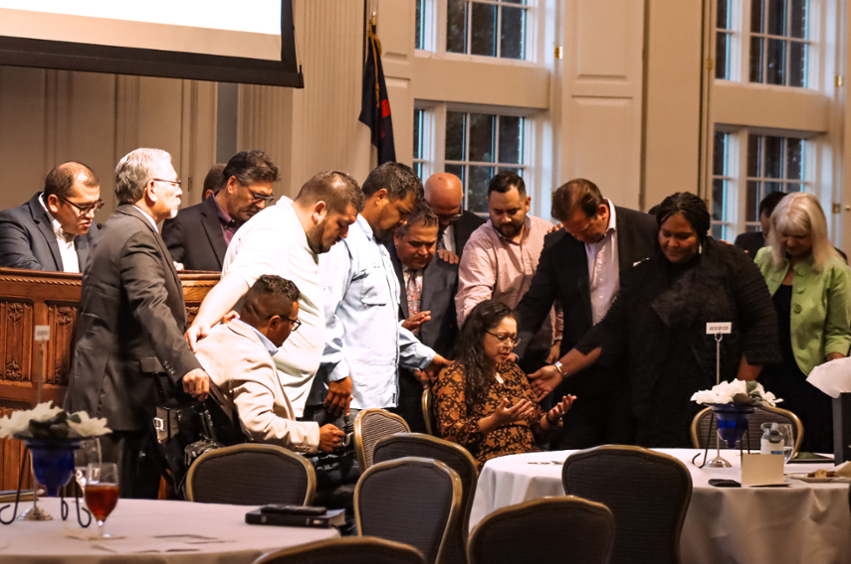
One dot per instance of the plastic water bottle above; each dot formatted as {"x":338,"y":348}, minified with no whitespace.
{"x":772,"y":440}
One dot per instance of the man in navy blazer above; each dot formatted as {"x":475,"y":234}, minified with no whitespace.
{"x":427,"y":304}
{"x":199,"y":236}
{"x":55,"y":229}
{"x":582,"y":266}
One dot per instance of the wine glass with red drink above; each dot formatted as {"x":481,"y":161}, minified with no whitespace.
{"x":101,"y":491}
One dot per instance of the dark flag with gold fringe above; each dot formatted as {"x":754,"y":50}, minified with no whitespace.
{"x":375,"y":107}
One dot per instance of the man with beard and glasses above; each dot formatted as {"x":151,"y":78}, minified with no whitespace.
{"x":364,"y":341}
{"x":286,"y":240}
{"x":500,"y":260}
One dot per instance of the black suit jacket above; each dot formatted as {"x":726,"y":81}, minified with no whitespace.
{"x":751,"y":243}
{"x":131,"y":324}
{"x":27,"y":239}
{"x":563,"y":274}
{"x":464,"y":227}
{"x":195,"y":237}
{"x":440,"y":284}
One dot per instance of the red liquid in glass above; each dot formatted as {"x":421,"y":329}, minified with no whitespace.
{"x":101,"y":499}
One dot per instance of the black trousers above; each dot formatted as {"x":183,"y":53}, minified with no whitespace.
{"x":139,"y":463}
{"x":602,"y":413}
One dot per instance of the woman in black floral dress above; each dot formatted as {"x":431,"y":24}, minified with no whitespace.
{"x":483,"y":400}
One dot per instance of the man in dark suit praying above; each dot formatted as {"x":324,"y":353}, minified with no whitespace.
{"x":427,"y":302}
{"x":444,"y":193}
{"x":199,"y":236}
{"x":582,"y":266}
{"x":55,"y":229}
{"x":131,"y":324}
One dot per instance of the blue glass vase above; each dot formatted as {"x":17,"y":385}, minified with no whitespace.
{"x":732,"y":421}
{"x":52,"y":460}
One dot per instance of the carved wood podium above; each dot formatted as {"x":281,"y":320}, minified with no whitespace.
{"x":29,"y":298}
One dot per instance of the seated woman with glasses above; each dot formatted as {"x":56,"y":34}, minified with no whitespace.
{"x":483,"y":400}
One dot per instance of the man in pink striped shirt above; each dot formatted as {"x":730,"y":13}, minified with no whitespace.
{"x":500,"y":260}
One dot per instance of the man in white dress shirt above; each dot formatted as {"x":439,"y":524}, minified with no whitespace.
{"x":286,"y":240}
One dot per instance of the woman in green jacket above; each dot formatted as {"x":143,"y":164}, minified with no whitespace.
{"x":810,"y":286}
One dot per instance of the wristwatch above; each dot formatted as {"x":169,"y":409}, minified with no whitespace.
{"x":558,"y":366}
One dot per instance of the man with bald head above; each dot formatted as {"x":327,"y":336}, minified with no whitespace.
{"x":444,"y":193}
{"x":55,"y":229}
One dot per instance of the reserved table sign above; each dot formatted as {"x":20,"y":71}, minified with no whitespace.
{"x":762,"y":469}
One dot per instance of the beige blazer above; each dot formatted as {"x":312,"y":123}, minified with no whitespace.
{"x":245,"y":380}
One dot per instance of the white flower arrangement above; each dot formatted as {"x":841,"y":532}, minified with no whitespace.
{"x":737,"y":391}
{"x":47,"y":421}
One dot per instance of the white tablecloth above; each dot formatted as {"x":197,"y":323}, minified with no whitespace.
{"x":220,"y":535}
{"x":801,"y":524}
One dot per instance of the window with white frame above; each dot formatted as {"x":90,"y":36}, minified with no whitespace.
{"x":420,"y":139}
{"x":778,"y":42}
{"x":772,"y":164}
{"x":491,"y":28}
{"x":419,"y":33}
{"x":723,"y":39}
{"x":474,"y":146}
{"x":770,"y":39}
{"x":723,"y":187}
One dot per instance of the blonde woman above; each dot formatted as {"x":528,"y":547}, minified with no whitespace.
{"x":811,"y":288}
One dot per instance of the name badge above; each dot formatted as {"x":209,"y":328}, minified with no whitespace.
{"x":719,"y":328}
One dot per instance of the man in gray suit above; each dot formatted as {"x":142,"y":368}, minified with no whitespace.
{"x":132,"y":319}
{"x":55,"y":229}
{"x":427,"y":307}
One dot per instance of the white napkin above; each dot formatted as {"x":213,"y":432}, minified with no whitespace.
{"x":832,"y":378}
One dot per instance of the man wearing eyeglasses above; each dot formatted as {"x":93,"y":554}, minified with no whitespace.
{"x":238,"y":356}
{"x":444,"y":193}
{"x":55,"y":229}
{"x":129,"y":353}
{"x":199,"y":236}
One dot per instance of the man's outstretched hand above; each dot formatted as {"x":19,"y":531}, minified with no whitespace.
{"x":545,"y":380}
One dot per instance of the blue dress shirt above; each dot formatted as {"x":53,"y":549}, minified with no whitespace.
{"x":363,"y":336}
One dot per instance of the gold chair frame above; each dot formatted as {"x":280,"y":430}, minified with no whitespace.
{"x":253,"y":447}
{"x":531,"y":506}
{"x":454,"y":508}
{"x":345,"y":543}
{"x":695,"y":439}
{"x":360,"y":451}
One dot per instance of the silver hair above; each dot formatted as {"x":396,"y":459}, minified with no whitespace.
{"x":135,"y":170}
{"x":800,"y":214}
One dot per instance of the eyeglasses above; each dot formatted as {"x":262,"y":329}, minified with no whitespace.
{"x":175,"y":182}
{"x":506,"y":339}
{"x":295,"y":323}
{"x":86,"y":209}
{"x":257,"y":198}
{"x":451,"y":218}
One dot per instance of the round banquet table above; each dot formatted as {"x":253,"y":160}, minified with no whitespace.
{"x":154,"y":531}
{"x":803,"y":523}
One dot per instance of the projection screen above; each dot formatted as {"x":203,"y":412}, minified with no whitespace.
{"x":218,"y":40}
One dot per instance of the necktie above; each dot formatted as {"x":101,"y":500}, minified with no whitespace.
{"x":441,"y":244}
{"x":414,"y":290}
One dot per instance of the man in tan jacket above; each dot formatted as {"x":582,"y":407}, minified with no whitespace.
{"x":238,"y":357}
